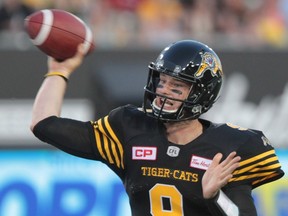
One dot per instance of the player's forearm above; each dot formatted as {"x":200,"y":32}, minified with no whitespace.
{"x":50,"y":96}
{"x":49,"y":99}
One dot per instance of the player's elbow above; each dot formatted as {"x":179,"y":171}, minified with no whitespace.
{"x":33,"y":124}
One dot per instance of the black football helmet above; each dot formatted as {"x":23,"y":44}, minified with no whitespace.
{"x":192,"y":62}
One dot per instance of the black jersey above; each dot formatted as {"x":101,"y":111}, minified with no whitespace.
{"x":162,"y":178}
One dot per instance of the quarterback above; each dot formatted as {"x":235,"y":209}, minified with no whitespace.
{"x":171,"y":161}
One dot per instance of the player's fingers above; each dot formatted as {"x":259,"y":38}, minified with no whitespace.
{"x":225,"y":180}
{"x":227,"y":173}
{"x":216,"y":160}
{"x":81,"y":50}
{"x":232,"y":161}
{"x":229,"y":169}
{"x":229,"y":159}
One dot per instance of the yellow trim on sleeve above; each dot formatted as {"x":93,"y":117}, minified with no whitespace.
{"x":98,"y":143}
{"x":114,"y":137}
{"x":109,"y":143}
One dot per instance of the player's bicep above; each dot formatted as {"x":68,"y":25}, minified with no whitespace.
{"x":71,"y":136}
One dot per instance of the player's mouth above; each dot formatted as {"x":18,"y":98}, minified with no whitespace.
{"x":164,"y":104}
{"x":167,"y":104}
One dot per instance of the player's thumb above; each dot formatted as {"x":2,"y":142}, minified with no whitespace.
{"x":81,"y":51}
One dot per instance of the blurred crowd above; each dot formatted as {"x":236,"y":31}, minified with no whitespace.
{"x":130,"y":24}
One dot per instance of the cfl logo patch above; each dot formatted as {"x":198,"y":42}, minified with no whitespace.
{"x":173,"y":151}
{"x":144,"y":153}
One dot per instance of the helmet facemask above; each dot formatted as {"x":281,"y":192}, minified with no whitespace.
{"x":160,"y":112}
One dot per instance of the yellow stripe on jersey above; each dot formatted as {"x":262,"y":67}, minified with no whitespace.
{"x":253,"y":168}
{"x":106,"y":148}
{"x":250,"y":160}
{"x":250,"y":176}
{"x":114,"y":151}
{"x":265,"y":178}
{"x":98,"y":142}
{"x":257,"y":168}
{"x":106,"y":141}
{"x":115,"y":138}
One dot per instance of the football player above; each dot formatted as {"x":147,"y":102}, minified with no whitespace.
{"x":171,"y":161}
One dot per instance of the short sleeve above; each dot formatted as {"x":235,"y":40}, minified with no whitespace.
{"x":259,"y":163}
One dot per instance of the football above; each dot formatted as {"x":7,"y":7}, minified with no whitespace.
{"x":58,"y":33}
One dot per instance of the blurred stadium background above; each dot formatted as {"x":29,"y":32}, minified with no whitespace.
{"x":250,"y":36}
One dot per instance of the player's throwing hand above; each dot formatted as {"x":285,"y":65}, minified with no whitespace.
{"x":68,"y":66}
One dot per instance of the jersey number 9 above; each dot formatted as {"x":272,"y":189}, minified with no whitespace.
{"x":165,"y":200}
